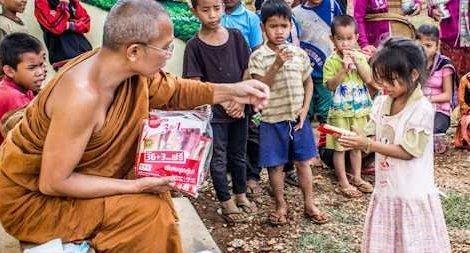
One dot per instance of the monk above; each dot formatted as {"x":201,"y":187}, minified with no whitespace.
{"x":66,"y":167}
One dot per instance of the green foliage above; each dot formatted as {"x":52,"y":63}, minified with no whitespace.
{"x":325,"y":244}
{"x":457,"y":210}
{"x":185,"y":24}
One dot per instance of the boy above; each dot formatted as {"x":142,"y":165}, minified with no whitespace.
{"x":9,"y":22}
{"x":347,"y":73}
{"x":315,"y":18}
{"x":220,"y":55}
{"x":238,"y":17}
{"x":22,"y":58}
{"x":284,"y":132}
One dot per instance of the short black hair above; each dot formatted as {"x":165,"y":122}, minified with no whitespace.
{"x":14,"y":45}
{"x":275,"y":8}
{"x":430,"y":31}
{"x":396,"y":58}
{"x":342,"y":21}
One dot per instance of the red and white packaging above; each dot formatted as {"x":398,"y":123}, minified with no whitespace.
{"x":176,"y":144}
{"x":332,"y":130}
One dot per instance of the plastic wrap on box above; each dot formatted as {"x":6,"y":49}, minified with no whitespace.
{"x":176,"y":144}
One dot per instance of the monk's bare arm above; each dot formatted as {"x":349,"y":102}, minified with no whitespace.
{"x":179,"y":93}
{"x":73,"y":119}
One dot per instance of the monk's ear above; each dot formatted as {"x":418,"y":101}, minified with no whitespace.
{"x":9,"y":71}
{"x":133,"y":52}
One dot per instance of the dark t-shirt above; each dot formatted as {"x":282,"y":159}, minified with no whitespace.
{"x":219,"y":64}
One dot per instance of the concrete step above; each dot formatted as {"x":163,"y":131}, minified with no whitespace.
{"x":194,"y":234}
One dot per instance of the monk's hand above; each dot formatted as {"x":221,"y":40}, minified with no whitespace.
{"x":154,"y":184}
{"x":251,"y":92}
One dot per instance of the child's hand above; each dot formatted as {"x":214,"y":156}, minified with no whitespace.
{"x":283,"y":55}
{"x":436,"y":14}
{"x":358,"y":141}
{"x":348,"y":60}
{"x":301,"y":115}
{"x":234,"y":109}
{"x":369,"y":50}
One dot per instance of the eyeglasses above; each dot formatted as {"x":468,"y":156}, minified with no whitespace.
{"x":168,"y":51}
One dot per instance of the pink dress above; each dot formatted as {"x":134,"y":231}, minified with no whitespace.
{"x":405,"y":213}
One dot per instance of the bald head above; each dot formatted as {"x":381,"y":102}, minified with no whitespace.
{"x":132,"y":21}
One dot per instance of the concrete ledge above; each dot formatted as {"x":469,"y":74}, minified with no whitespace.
{"x":194,"y":234}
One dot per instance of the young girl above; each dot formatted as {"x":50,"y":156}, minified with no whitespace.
{"x":440,"y":84}
{"x":405,"y":213}
{"x":217,"y":54}
{"x":462,"y":135}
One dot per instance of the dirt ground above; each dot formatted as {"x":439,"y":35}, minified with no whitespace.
{"x":344,"y":233}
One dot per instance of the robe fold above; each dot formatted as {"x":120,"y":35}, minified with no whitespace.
{"x":121,"y":223}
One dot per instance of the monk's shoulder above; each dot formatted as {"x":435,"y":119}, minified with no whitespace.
{"x":74,"y":94}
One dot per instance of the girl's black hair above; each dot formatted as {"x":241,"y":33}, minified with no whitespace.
{"x":430,"y":31}
{"x":275,"y":8}
{"x":396,"y":59}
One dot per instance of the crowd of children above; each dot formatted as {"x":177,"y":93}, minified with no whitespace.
{"x":396,"y":95}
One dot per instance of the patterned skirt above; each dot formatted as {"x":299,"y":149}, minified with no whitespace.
{"x":401,"y":225}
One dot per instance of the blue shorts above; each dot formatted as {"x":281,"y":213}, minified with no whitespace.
{"x":279,"y":143}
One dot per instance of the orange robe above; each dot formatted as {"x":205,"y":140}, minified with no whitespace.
{"x":122,"y":223}
{"x":464,"y":126}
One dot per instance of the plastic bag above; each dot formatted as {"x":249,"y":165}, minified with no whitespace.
{"x":176,"y":144}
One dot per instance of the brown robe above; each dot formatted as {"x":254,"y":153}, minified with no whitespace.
{"x":121,"y":223}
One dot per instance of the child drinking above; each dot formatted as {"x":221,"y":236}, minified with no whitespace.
{"x":347,"y":74}
{"x":284,"y":131}
{"x":405,"y":213}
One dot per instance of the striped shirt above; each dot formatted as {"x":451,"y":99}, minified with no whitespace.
{"x":287,"y":92}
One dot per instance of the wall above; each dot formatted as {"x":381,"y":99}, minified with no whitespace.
{"x":174,"y":65}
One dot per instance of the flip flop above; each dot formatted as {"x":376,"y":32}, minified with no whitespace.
{"x":363,"y":186}
{"x":252,"y":192}
{"x":351,"y":193}
{"x":233,"y":217}
{"x":319,"y":218}
{"x":249,"y":208}
{"x":277,"y":219}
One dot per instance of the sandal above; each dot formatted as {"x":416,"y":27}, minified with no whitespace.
{"x":292,"y":178}
{"x":362,"y":185}
{"x":252,"y":192}
{"x":233,"y":216}
{"x":350,"y":192}
{"x":277,"y":219}
{"x":318,"y":218}
{"x":249,"y":208}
